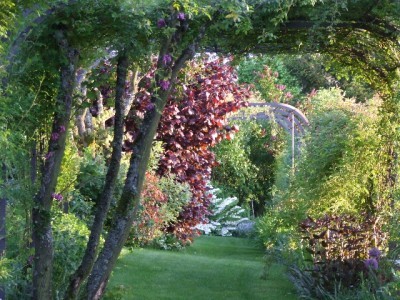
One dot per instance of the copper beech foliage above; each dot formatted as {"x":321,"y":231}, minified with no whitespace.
{"x":193,"y":121}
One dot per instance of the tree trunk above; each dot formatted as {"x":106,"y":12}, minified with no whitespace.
{"x":127,"y":205}
{"x":103,"y":203}
{"x":33,"y":163}
{"x":88,"y":125}
{"x":129,"y":202}
{"x":81,"y":112}
{"x":41,"y":213}
{"x":133,"y":88}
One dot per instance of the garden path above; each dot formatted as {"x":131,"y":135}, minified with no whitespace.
{"x":213,"y":268}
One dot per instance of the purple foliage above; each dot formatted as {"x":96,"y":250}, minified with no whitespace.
{"x":49,"y":154}
{"x":281,"y":87}
{"x":288,"y":95}
{"x":150,"y":106}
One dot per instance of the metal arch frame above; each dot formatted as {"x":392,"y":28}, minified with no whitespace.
{"x":284,"y":114}
{"x":291,"y":119}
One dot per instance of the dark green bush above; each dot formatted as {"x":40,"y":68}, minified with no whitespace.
{"x":70,"y":238}
{"x":247,"y":164}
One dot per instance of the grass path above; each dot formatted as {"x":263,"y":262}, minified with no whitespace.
{"x":213,"y":268}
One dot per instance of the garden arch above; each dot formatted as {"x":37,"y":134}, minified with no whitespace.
{"x":291,"y":119}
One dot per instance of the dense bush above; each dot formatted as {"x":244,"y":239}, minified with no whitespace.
{"x":92,"y":170}
{"x":246,"y":164}
{"x":162,"y":201}
{"x":271,"y":78}
{"x":70,"y":239}
{"x":341,"y":191}
{"x":343,"y":248}
{"x":300,"y":75}
{"x":341,"y":167}
{"x":151,"y":219}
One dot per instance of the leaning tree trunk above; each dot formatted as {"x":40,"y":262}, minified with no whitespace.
{"x":127,"y":206}
{"x":41,"y":213}
{"x":103,"y":202}
{"x":129,"y":201}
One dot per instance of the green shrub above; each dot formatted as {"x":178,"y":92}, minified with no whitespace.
{"x":90,"y":179}
{"x":70,"y":238}
{"x":246,"y":164}
{"x":271,"y":77}
{"x":340,"y":169}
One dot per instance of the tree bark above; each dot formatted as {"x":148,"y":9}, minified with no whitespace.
{"x":127,"y":206}
{"x":41,"y":212}
{"x":33,"y":163}
{"x":103,"y":203}
{"x":129,"y":202}
{"x":133,"y":88}
{"x":81,"y":112}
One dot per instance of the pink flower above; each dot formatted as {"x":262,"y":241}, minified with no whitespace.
{"x":55,"y":136}
{"x":164,"y":84}
{"x":280,"y":87}
{"x":167,"y":59}
{"x":288,"y":95}
{"x":61,"y":129}
{"x":181,"y":16}
{"x":161,"y":23}
{"x":312,"y":93}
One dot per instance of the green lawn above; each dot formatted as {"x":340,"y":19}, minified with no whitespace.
{"x":212,"y":268}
